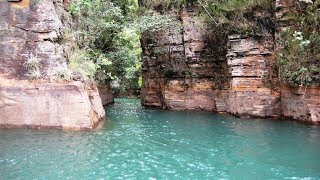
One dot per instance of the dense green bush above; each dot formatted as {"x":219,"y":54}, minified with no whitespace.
{"x":245,"y":17}
{"x":300,"y":54}
{"x":164,"y":5}
{"x":109,"y":32}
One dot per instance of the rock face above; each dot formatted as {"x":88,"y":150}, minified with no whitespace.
{"x":180,"y":74}
{"x":186,"y":77}
{"x":301,"y":103}
{"x":37,"y":27}
{"x":176,"y":75}
{"x":250,"y":61}
{"x":105,"y":94}
{"x":30,"y":27}
{"x":70,"y":106}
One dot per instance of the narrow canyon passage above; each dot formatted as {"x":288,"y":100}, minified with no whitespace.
{"x":136,"y":142}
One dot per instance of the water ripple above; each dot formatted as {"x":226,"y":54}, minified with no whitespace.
{"x":139,"y":143}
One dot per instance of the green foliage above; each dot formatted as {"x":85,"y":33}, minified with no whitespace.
{"x":98,"y":22}
{"x":163,"y":5}
{"x":103,"y":72}
{"x":126,"y":57}
{"x":82,"y":65}
{"x":33,"y":64}
{"x":89,"y":65}
{"x":109,"y":41}
{"x":62,"y":72}
{"x":299,"y":57}
{"x":246,"y":17}
{"x":129,"y":8}
{"x":156,"y":22}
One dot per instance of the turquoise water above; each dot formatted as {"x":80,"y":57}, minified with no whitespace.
{"x":138,"y":143}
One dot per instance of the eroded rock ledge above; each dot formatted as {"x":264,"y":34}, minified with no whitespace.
{"x":69,"y":106}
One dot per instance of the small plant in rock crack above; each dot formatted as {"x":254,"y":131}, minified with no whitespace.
{"x":33,"y":64}
{"x":62,"y":72}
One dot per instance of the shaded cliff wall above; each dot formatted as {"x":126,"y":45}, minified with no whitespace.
{"x":176,"y":75}
{"x":301,"y":103}
{"x":106,"y":95}
{"x":37,"y":27}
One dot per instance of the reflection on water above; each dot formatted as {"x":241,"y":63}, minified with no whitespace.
{"x":148,"y":143}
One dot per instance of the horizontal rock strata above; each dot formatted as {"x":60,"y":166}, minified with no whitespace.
{"x":175,"y":75}
{"x":250,"y":61}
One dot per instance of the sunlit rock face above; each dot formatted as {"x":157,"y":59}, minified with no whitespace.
{"x":37,"y":27}
{"x":69,"y":106}
{"x":29,"y":28}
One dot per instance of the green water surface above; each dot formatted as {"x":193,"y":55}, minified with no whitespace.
{"x":139,"y":143}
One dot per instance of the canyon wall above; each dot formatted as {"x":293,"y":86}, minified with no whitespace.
{"x":183,"y":70}
{"x":190,"y":73}
{"x":30,"y":28}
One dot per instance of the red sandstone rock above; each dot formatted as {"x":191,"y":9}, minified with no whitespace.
{"x":175,"y":76}
{"x":250,"y":62}
{"x":27,"y":28}
{"x":71,"y":106}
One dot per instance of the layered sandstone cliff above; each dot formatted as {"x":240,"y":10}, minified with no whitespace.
{"x":250,"y":60}
{"x":176,"y":75}
{"x":37,"y":28}
{"x":232,"y":81}
{"x":179,"y":74}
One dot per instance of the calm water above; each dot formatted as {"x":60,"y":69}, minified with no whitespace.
{"x":140,"y":143}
